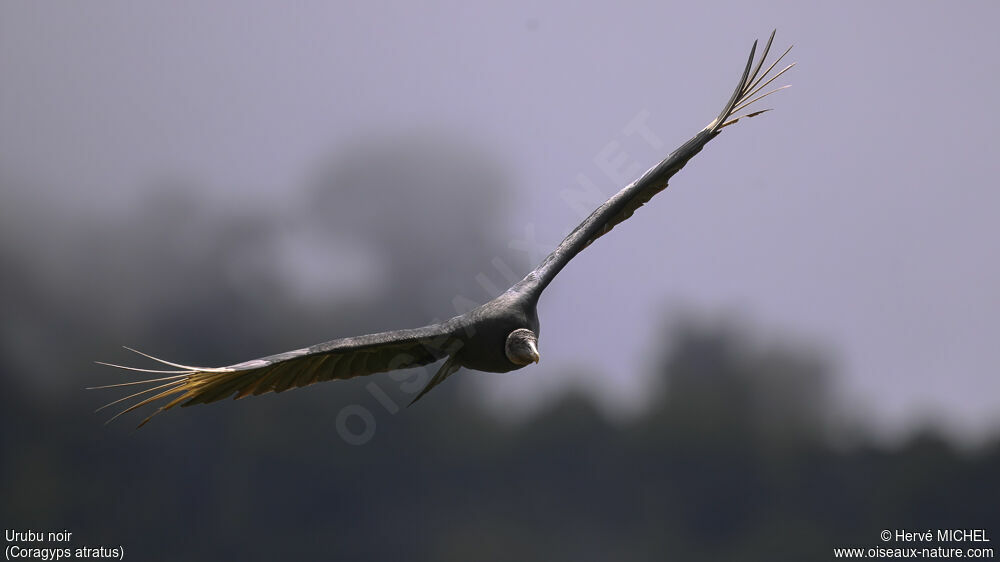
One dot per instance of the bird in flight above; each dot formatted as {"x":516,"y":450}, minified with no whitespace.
{"x":496,"y":337}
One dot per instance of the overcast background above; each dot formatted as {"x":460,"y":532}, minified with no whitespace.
{"x":858,"y":218}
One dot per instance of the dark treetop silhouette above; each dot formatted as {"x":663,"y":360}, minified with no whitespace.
{"x":499,"y":336}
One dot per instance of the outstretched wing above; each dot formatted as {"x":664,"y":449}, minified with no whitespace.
{"x":338,"y":359}
{"x":621,"y":205}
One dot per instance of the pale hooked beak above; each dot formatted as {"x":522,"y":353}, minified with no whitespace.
{"x":534,"y":351}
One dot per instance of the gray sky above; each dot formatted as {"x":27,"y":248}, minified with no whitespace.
{"x":858,"y":216}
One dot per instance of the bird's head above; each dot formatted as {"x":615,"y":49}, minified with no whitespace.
{"x":522,"y":347}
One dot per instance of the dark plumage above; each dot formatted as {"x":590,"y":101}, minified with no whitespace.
{"x":496,"y":337}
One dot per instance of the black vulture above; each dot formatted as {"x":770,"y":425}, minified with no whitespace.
{"x":496,"y":337}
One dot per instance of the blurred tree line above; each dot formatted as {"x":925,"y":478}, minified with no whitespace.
{"x":716,"y":469}
{"x":740,"y":456}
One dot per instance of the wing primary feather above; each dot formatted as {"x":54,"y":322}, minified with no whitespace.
{"x":138,"y":370}
{"x":744,"y":105}
{"x":179,"y":366}
{"x":145,"y":401}
{"x":768,"y":71}
{"x":149,"y":417}
{"x":734,"y":99}
{"x":747,"y":116}
{"x":140,"y":393}
{"x":760,"y":63}
{"x":147,"y":381}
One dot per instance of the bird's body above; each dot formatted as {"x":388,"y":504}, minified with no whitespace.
{"x":486,"y":328}
{"x":497,"y":337}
